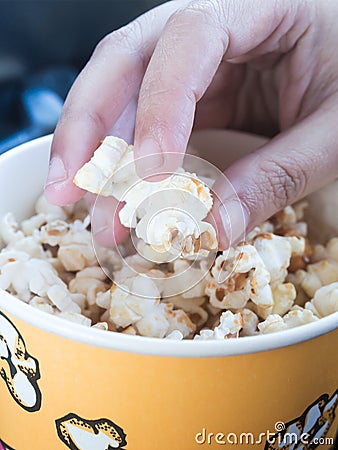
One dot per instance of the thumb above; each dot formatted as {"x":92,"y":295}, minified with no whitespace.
{"x":290,"y":166}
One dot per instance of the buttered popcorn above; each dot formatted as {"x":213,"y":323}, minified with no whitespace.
{"x":274,"y":281}
{"x":167,"y":215}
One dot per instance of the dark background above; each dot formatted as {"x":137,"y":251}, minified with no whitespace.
{"x":39,"y":33}
{"x":44,"y":44}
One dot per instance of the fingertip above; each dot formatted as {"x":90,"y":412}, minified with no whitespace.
{"x":63,"y":193}
{"x":231,"y":220}
{"x":222,"y":236}
{"x":68,"y":154}
{"x":106,"y":226}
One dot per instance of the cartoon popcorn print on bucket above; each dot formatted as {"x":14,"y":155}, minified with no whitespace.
{"x":311,"y":426}
{"x":81,"y":434}
{"x":19,"y":370}
{"x":4,"y":446}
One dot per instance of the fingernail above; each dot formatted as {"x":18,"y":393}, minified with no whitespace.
{"x":57,"y":171}
{"x":152,"y":158}
{"x":234,"y":220}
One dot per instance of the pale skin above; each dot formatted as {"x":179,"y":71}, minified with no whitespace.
{"x":264,"y":66}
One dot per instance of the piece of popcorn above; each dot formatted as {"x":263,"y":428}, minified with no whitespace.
{"x":133,"y":265}
{"x":250,"y":322}
{"x":60,"y":297}
{"x":149,"y":254}
{"x":53,"y":232}
{"x":300,"y":260}
{"x":285,"y":217}
{"x":171,"y":220}
{"x":264,"y":227}
{"x":13,"y":275}
{"x":162,"y":320}
{"x":127,"y":309}
{"x":97,"y":175}
{"x":276,"y":252}
{"x":29,"y":226}
{"x":105,"y":317}
{"x":192,"y":306}
{"x":299,"y":316}
{"x":103,"y":299}
{"x":299,"y":209}
{"x":74,"y":240}
{"x":9,"y":229}
{"x":31,"y":246}
{"x":75,"y":245}
{"x":230,"y":326}
{"x":272,"y":324}
{"x":12,"y":255}
{"x":325,"y":300}
{"x":176,"y":233}
{"x":319,"y":253}
{"x":294,"y":318}
{"x":101,"y":326}
{"x":175,"y":335}
{"x":237,"y":277}
{"x":284,"y":295}
{"x":42,"y":206}
{"x":89,"y":282}
{"x":301,"y":296}
{"x":317,"y":275}
{"x":46,"y":212}
{"x":288,"y":221}
{"x":184,"y":279}
{"x":137,"y":303}
{"x":129,"y":330}
{"x":34,"y":276}
{"x":168,"y":215}
{"x":329,"y":251}
{"x":43,"y":304}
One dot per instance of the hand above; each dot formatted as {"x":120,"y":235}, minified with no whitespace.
{"x":263,"y":66}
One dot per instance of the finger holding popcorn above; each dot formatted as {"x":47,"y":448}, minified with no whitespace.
{"x":168,"y":215}
{"x":103,"y":93}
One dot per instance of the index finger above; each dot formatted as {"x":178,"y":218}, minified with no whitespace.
{"x":99,"y":96}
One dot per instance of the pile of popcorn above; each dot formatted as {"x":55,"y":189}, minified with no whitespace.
{"x":274,"y":280}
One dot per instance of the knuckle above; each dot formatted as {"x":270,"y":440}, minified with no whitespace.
{"x":127,"y":39}
{"x":211,"y":17}
{"x":213,"y":7}
{"x":203,"y":11}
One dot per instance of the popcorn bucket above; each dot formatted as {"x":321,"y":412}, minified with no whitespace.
{"x":64,"y":386}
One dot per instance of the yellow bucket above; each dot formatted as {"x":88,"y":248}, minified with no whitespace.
{"x":65,"y":386}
